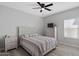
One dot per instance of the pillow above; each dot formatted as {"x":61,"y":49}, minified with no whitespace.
{"x":34,"y":35}
{"x":25,"y":35}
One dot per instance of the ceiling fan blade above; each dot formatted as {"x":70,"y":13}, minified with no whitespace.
{"x":48,"y":9}
{"x":37,"y":8}
{"x":39,"y":4}
{"x":40,"y":10}
{"x":49,"y":5}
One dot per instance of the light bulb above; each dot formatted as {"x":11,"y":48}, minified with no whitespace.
{"x":42,"y":8}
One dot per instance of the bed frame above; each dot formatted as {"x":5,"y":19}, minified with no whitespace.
{"x":18,"y":35}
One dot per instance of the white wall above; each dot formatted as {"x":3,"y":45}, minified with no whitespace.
{"x":58,"y":19}
{"x":11,"y":18}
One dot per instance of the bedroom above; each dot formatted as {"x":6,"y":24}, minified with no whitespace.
{"x":19,"y":20}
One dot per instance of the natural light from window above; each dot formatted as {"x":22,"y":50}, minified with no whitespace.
{"x":70,"y":29}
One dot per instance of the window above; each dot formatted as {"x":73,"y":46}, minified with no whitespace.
{"x":70,"y":29}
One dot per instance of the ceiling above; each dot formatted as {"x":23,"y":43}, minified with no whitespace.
{"x":27,"y":7}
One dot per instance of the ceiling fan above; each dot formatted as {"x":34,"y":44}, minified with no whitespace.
{"x":43,"y":6}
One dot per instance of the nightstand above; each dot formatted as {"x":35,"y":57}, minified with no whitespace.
{"x":11,"y":42}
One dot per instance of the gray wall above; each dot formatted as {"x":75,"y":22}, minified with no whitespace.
{"x":58,"y":19}
{"x":11,"y":18}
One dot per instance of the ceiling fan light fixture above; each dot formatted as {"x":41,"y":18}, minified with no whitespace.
{"x":43,"y":9}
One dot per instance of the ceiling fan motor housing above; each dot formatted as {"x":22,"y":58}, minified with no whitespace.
{"x":42,"y":5}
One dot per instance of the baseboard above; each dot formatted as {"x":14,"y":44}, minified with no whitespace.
{"x":76,"y":46}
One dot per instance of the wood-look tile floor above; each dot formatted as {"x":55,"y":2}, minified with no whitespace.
{"x":64,"y":50}
{"x":61,"y":50}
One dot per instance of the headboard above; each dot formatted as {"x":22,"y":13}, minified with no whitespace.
{"x":26,"y":30}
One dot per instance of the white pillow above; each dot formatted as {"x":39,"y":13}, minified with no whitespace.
{"x":25,"y":35}
{"x":34,"y":35}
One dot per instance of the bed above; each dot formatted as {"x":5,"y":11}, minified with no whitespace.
{"x":36,"y":44}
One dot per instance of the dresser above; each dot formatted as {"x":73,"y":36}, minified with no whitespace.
{"x":10,"y":42}
{"x":51,"y":32}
